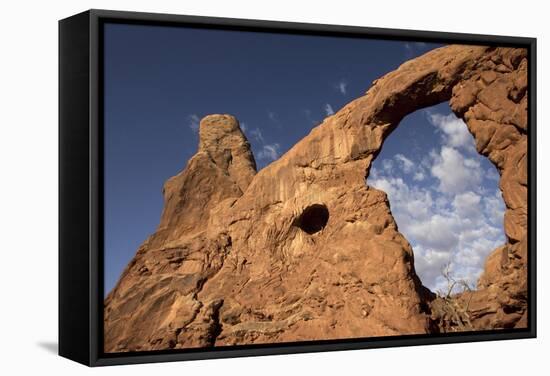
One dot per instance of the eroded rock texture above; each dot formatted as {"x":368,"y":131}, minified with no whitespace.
{"x":304,"y":249}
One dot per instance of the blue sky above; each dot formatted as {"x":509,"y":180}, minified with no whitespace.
{"x":159,"y":81}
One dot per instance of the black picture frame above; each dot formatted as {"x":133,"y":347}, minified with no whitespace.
{"x":81,"y":182}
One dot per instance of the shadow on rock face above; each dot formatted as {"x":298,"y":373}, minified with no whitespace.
{"x":313,"y":219}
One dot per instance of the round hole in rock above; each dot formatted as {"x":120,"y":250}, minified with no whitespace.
{"x":313,"y":219}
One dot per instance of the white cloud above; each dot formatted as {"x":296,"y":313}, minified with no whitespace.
{"x":436,"y":232}
{"x":455,"y":172}
{"x":193,"y":122}
{"x":429,"y":264}
{"x":419,"y":176}
{"x":467,"y":204}
{"x":387,"y":165}
{"x":494,"y":207}
{"x":405,"y":163}
{"x":263,"y":150}
{"x":272,"y":116}
{"x":328,"y":109}
{"x":454,"y":131}
{"x":373,"y":173}
{"x":442,"y":203}
{"x":269,"y":152}
{"x":342,"y":87}
{"x":257,"y":134}
{"x":411,"y":201}
{"x":243,"y":127}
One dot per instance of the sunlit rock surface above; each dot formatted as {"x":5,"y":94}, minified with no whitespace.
{"x":303,"y":249}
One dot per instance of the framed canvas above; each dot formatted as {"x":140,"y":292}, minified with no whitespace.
{"x":236,"y":187}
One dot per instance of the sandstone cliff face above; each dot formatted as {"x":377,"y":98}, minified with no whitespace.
{"x":493,"y":102}
{"x":304,"y":249}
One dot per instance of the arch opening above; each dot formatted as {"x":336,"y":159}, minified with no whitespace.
{"x":443,"y":194}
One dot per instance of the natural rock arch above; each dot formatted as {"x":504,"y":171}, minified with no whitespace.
{"x":239,"y":271}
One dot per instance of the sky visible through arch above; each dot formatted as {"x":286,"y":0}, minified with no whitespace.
{"x":444,"y":196}
{"x":159,"y":82}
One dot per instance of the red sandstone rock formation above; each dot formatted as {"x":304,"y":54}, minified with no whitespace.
{"x":304,"y":249}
